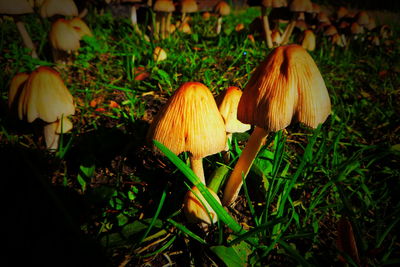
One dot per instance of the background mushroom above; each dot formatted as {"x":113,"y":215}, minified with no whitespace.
{"x":286,"y":85}
{"x":222,"y":8}
{"x":63,"y":38}
{"x":19,"y":7}
{"x":190,"y":121}
{"x":163,"y":9}
{"x":298,"y":7}
{"x":66,"y":8}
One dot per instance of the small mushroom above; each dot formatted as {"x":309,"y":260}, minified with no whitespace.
{"x":159,"y":54}
{"x":287,"y":85}
{"x":187,"y":6}
{"x":163,"y":9}
{"x":298,"y":7}
{"x":190,"y":121}
{"x":66,"y":8}
{"x":80,"y":27}
{"x":63,"y":39}
{"x":265,"y":5}
{"x":308,"y":40}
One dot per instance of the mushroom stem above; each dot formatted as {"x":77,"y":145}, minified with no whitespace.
{"x":242,"y":167}
{"x":163,"y":25}
{"x":219,"y":24}
{"x":51,"y":138}
{"x":25,"y":37}
{"x":197,"y":167}
{"x":267,"y":29}
{"x":288,"y":32}
{"x":168,"y":23}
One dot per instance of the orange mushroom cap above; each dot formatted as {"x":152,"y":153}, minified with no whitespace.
{"x":286,"y":84}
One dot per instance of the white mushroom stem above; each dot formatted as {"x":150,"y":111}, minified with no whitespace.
{"x":242,"y":167}
{"x":219,"y":24}
{"x":26,"y":38}
{"x":163,"y":25}
{"x":52,"y":139}
{"x":267,"y":29}
{"x":289,"y":28}
{"x":197,"y":167}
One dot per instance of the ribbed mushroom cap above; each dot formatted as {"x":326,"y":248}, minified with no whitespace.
{"x":15,"y":7}
{"x":189,"y":6}
{"x":286,"y":84}
{"x":164,"y":6}
{"x":227,"y":103}
{"x":80,"y":27}
{"x":45,"y":96}
{"x":309,"y":40}
{"x":50,"y":8}
{"x":16,"y":86}
{"x":63,"y":36}
{"x":301,"y":6}
{"x":194,"y":210}
{"x":190,"y":121}
{"x":222,"y":8}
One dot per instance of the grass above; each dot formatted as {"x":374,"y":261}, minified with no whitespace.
{"x":105,"y":193}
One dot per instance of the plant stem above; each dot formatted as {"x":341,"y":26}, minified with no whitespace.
{"x":197,"y":167}
{"x":243,"y":165}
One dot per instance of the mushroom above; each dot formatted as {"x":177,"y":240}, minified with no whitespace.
{"x":227,"y":103}
{"x":80,"y":27}
{"x":222,"y":8}
{"x":308,"y":41}
{"x":63,"y":38}
{"x":66,"y":8}
{"x":341,"y":13}
{"x":187,"y":6}
{"x":287,"y":85}
{"x":163,"y":9}
{"x":46,"y":97}
{"x":276,"y":37}
{"x":265,"y":5}
{"x":194,"y":209}
{"x":14,"y":9}
{"x":159,"y":54}
{"x":298,"y":7}
{"x":135,"y":4}
{"x":52,"y":132}
{"x":15,"y":89}
{"x":185,"y":28}
{"x":190,"y":121}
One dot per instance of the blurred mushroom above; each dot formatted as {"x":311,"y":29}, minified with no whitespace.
{"x":163,"y":9}
{"x":46,"y":97}
{"x":187,"y":6}
{"x":80,"y":27}
{"x":185,"y":28}
{"x":362,"y":18}
{"x":63,"y":38}
{"x":66,"y":8}
{"x":341,"y":13}
{"x":159,"y":54}
{"x":222,"y":8}
{"x":14,"y":9}
{"x":276,"y":37}
{"x":298,"y":7}
{"x":287,"y":85}
{"x":265,"y":5}
{"x":190,"y":121}
{"x":194,"y":209}
{"x":308,"y":40}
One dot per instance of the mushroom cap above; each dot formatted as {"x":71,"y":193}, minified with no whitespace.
{"x":45,"y":96}
{"x":330,"y":30}
{"x":63,"y":36}
{"x":227,"y":103}
{"x":222,"y":8}
{"x":185,"y":28}
{"x":159,"y":54}
{"x":274,"y":3}
{"x":362,"y":18}
{"x":341,"y":12}
{"x":193,"y":207}
{"x":286,"y":84}
{"x":63,"y":125}
{"x":301,"y":6}
{"x":337,"y":40}
{"x":15,"y":7}
{"x":315,"y":8}
{"x":323,"y":17}
{"x":309,"y":40}
{"x":190,"y":121}
{"x":301,"y":25}
{"x":276,"y":36}
{"x":16,"y":87}
{"x":50,"y":8}
{"x":164,"y":6}
{"x":80,"y":27}
{"x":189,"y":6}
{"x":371,"y":24}
{"x":356,"y":28}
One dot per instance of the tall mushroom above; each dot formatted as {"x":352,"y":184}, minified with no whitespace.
{"x":16,"y":8}
{"x":190,"y":121}
{"x":298,"y":7}
{"x":46,"y":97}
{"x":187,"y":6}
{"x":63,"y":38}
{"x":163,"y":9}
{"x":222,"y":8}
{"x":265,"y":5}
{"x":286,"y":85}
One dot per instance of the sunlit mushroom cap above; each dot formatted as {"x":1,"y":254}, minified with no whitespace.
{"x":194,"y":209}
{"x":308,"y":41}
{"x":164,"y":6}
{"x":50,"y":8}
{"x":190,"y":121}
{"x":301,"y":6}
{"x":63,"y":36}
{"x":15,"y":7}
{"x":286,"y":84}
{"x":189,"y":6}
{"x":80,"y":27}
{"x":16,"y":86}
{"x":222,"y":8}
{"x":45,"y":96}
{"x":227,"y":103}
